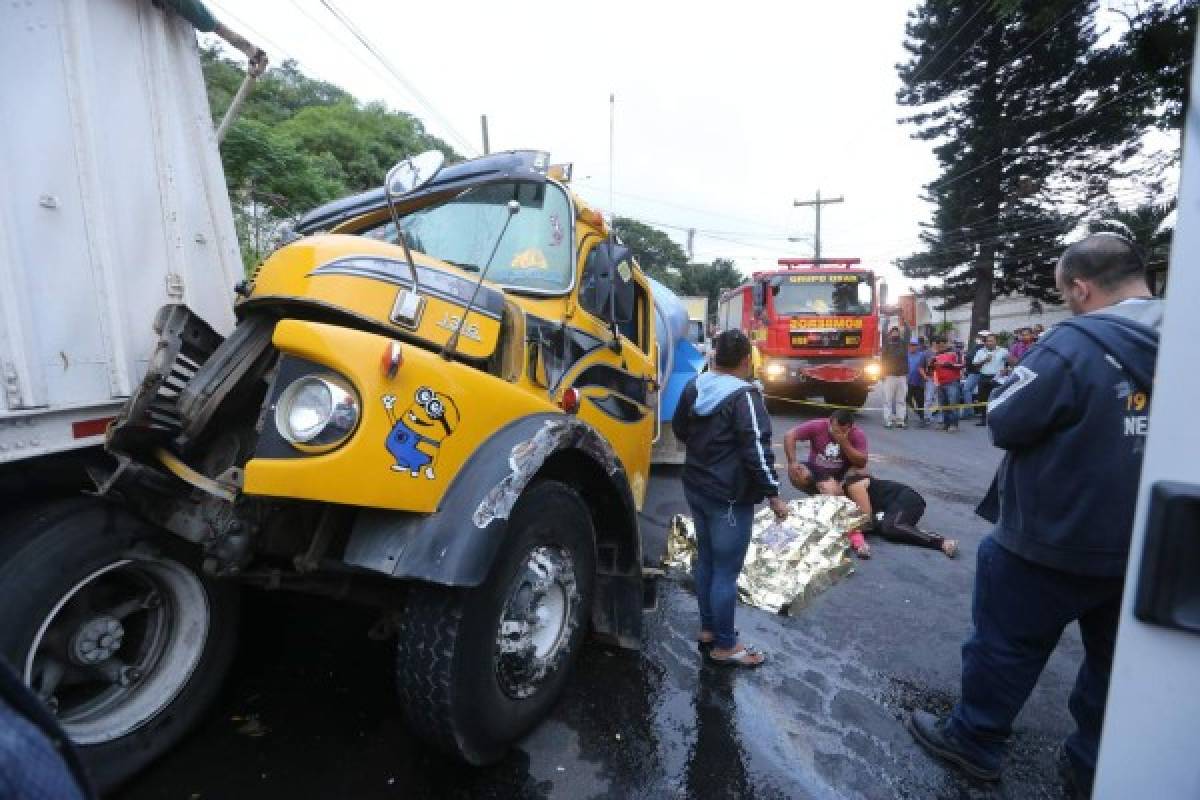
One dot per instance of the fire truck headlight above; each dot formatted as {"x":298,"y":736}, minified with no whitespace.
{"x":774,"y":372}
{"x":872,"y":371}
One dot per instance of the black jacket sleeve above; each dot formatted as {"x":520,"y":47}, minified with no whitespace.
{"x":754,"y":441}
{"x":682,"y":418}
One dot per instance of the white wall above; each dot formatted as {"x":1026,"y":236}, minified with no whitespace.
{"x":1008,"y":314}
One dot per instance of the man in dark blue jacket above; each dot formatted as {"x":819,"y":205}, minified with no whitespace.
{"x":730,"y":467}
{"x":1072,"y":421}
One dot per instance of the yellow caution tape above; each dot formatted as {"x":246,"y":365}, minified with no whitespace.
{"x":928,"y":410}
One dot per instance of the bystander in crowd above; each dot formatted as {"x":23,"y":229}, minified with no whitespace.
{"x":947,"y":369}
{"x":894,"y":383}
{"x":918,"y":361}
{"x":992,"y":361}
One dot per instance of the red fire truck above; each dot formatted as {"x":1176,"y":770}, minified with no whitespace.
{"x":816,"y":326}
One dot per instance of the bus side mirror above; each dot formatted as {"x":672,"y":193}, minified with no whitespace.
{"x":615,"y":279}
{"x":760,"y":297}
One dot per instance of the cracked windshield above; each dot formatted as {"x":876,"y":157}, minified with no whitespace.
{"x":569,"y":402}
{"x":533,"y":253}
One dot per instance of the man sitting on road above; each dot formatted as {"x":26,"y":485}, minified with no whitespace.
{"x":902,"y":508}
{"x":835,"y":447}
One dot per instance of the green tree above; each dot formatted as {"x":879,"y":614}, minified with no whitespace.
{"x":1027,"y":119}
{"x":709,"y":280}
{"x":300,"y":142}
{"x":657,"y":253}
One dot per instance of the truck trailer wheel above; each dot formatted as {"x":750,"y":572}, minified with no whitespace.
{"x":477,"y":668}
{"x":112,"y":627}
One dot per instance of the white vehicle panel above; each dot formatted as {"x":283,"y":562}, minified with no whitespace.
{"x":114,"y":204}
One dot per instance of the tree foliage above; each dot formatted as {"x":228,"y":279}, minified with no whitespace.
{"x":300,"y":142}
{"x":664,"y":260}
{"x":657,"y":253}
{"x":1031,"y":119}
{"x":709,"y":280}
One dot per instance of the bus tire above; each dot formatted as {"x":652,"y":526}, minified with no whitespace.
{"x":477,"y":668}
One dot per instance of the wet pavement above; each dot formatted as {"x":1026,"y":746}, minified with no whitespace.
{"x":309,"y":711}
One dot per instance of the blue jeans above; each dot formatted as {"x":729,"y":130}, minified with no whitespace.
{"x":1019,"y":612}
{"x":949,"y":395}
{"x":722,"y":536}
{"x":970,"y":391}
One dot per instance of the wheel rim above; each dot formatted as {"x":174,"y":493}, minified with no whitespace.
{"x":119,"y":647}
{"x":538,"y":620}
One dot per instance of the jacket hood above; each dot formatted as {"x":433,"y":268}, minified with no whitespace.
{"x":1131,"y":343}
{"x":712,"y":388}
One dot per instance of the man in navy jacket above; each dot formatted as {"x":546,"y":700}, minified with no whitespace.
{"x":1072,"y":421}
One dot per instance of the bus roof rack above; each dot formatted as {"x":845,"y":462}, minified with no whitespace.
{"x":818,"y":262}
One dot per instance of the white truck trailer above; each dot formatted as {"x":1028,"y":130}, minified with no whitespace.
{"x":114,"y":205}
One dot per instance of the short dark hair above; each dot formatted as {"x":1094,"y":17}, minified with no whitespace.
{"x":939,"y":340}
{"x":1107,"y":259}
{"x":731,"y":348}
{"x":843,"y":416}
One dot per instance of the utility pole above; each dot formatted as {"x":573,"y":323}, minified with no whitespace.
{"x":691,"y":245}
{"x":486,"y":144}
{"x":612,"y":127}
{"x":817,"y":203}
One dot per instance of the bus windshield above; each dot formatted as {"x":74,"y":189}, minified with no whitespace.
{"x":817,"y":295}
{"x":535,"y":252}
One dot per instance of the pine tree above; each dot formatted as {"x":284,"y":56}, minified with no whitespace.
{"x":1024,"y":125}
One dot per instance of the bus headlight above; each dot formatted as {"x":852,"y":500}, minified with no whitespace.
{"x":317,"y":413}
{"x":872,"y":371}
{"x":774,"y":371}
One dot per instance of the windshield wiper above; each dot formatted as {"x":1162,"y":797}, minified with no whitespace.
{"x":462,"y":265}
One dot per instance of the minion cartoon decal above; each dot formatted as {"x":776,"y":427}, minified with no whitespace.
{"x":417,"y":433}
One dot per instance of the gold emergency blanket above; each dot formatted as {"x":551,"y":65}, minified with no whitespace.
{"x":788,"y":563}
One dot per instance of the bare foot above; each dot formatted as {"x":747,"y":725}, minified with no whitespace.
{"x":705,"y":637}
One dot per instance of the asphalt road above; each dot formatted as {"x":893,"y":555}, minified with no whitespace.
{"x":308,"y":711}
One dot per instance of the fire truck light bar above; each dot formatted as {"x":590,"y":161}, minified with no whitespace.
{"x":818,"y":262}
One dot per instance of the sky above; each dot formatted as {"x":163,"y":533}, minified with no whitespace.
{"x":724,"y":114}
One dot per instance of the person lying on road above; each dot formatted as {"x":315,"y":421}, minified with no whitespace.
{"x":902,"y":507}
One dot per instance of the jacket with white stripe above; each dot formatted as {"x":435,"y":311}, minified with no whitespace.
{"x":728,"y":439}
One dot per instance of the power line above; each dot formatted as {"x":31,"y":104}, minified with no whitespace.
{"x":680,"y":206}
{"x":255,"y":33}
{"x":351,"y":51}
{"x":967,"y":49}
{"x":391,"y":68}
{"x":944,"y":183}
{"x":948,"y":42}
{"x":1051,"y":27}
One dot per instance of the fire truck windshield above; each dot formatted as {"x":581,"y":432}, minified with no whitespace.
{"x":842,"y":293}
